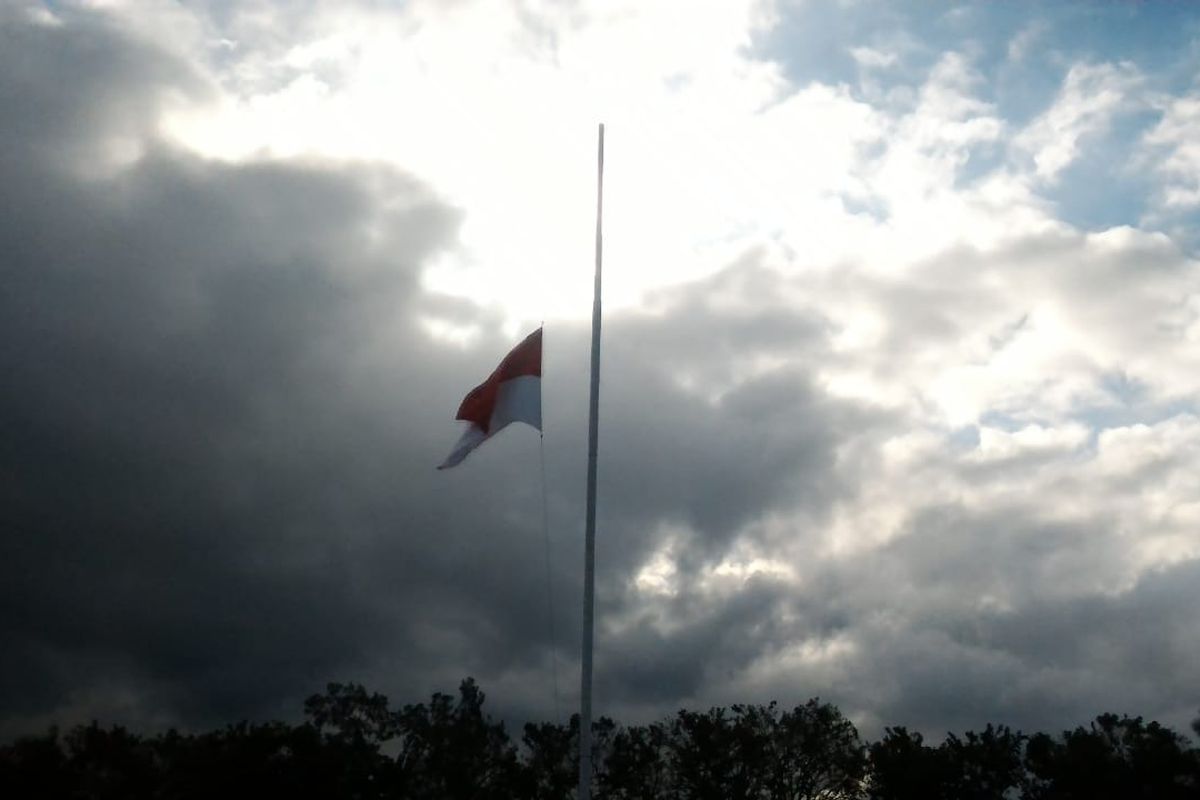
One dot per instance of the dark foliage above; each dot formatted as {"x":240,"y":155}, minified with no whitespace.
{"x":1115,"y":757}
{"x":353,"y":745}
{"x":979,"y":766}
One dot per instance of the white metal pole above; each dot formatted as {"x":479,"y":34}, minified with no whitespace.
{"x":589,"y":558}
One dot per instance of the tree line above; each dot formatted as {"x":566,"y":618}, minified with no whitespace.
{"x":353,"y":745}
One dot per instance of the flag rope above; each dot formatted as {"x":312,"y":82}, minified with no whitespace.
{"x":549,"y":576}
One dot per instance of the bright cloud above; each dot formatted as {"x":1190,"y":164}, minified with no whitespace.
{"x":1091,"y":96}
{"x":1176,"y":138}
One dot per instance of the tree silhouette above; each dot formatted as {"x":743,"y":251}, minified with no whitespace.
{"x":551,"y":751}
{"x":347,"y":712}
{"x":713,"y":756}
{"x":816,"y":754}
{"x":354,"y":746}
{"x":452,"y":749}
{"x":1115,"y":757}
{"x":904,"y":768}
{"x":757,"y":752}
{"x":637,"y":766}
{"x":982,"y":766}
{"x":35,"y":766}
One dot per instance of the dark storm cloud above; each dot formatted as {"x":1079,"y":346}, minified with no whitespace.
{"x":69,"y":87}
{"x":221,"y":418}
{"x":178,"y":347}
{"x":1047,"y":663}
{"x":969,"y":617}
{"x":678,"y":649}
{"x":1135,"y":649}
{"x":725,"y":437}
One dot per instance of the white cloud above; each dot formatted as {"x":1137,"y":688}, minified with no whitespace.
{"x":1091,"y":95}
{"x":498,"y":111}
{"x":1019,"y":45}
{"x":1032,"y":440}
{"x":871,"y":58}
{"x":1173,"y":147}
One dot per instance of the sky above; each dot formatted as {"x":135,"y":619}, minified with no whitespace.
{"x":901,"y":357}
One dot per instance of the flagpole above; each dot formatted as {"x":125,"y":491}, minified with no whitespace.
{"x":589,"y":558}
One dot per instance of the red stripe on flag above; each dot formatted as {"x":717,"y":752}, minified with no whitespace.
{"x":524,"y":359}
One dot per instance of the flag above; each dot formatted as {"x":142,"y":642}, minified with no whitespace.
{"x":512,"y":393}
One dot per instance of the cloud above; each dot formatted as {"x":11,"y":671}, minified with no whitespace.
{"x":871,"y":58}
{"x":191,"y":339}
{"x":1019,"y":45}
{"x":1173,"y":140}
{"x":1090,"y":97}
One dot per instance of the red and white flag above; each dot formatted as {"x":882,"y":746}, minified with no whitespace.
{"x":512,"y":393}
